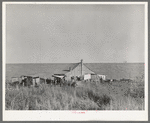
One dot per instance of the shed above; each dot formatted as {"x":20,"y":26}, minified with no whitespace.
{"x":76,"y":70}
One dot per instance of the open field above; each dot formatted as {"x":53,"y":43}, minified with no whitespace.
{"x":89,"y":96}
{"x":94,"y":95}
{"x":112,"y":70}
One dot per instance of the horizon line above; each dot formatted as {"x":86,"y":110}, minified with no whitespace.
{"x":75,"y":62}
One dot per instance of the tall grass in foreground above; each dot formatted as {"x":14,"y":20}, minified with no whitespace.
{"x":50,"y":98}
{"x":67,"y":98}
{"x":90,"y":96}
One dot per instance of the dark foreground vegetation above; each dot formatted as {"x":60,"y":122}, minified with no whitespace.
{"x":86,"y":96}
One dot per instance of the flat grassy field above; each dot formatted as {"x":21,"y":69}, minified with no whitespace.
{"x":95,"y":95}
{"x":89,"y":96}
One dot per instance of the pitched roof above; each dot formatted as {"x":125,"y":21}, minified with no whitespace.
{"x":89,"y":70}
{"x":73,"y":66}
{"x":64,"y":68}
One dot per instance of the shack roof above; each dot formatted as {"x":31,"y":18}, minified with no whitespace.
{"x":57,"y":76}
{"x":64,"y":68}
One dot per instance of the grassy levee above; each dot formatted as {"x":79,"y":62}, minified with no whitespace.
{"x":89,"y":96}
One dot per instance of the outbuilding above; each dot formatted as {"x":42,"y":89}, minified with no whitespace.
{"x":78,"y":71}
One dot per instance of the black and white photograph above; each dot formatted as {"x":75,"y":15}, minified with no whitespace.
{"x":75,"y":61}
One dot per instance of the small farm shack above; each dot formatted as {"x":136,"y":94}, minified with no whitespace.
{"x":78,"y":71}
{"x":37,"y":79}
{"x":32,"y":80}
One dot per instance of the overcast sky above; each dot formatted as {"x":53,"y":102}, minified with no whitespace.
{"x":69,"y":33}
